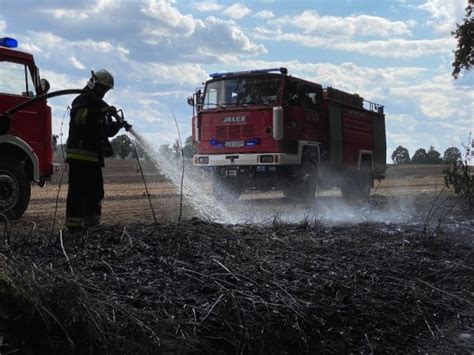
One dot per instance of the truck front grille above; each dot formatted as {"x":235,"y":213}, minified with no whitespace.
{"x":235,"y":132}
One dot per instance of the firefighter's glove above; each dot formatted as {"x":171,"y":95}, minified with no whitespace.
{"x":127,"y":125}
{"x":110,"y":110}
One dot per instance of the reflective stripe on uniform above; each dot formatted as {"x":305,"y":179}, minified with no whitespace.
{"x":74,"y":222}
{"x":81,"y":154}
{"x":81,"y":116}
{"x":81,"y":157}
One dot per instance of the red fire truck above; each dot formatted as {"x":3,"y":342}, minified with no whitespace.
{"x":265,"y":129}
{"x":26,"y":153}
{"x":25,"y":138}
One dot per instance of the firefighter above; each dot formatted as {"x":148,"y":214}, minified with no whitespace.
{"x":89,"y":128}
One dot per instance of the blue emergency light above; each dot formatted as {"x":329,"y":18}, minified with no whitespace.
{"x":252,"y":142}
{"x":283,"y":71}
{"x":8,"y":42}
{"x":214,"y":142}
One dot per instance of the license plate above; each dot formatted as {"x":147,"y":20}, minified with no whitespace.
{"x":234,"y":144}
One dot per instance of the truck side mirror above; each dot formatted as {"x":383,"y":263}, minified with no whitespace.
{"x":190,"y":101}
{"x":44,"y":85}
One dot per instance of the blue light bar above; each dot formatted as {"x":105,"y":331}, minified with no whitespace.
{"x":257,"y":71}
{"x":8,"y":42}
{"x":215,"y":143}
{"x":252,"y":142}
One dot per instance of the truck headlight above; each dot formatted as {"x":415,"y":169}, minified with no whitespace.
{"x":203,"y":160}
{"x":266,"y":159}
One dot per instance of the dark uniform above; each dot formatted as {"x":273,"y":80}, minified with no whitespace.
{"x":87,"y":145}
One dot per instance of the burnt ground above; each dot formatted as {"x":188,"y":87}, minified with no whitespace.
{"x":319,"y":285}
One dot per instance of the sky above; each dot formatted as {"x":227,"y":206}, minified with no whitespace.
{"x":397,"y":53}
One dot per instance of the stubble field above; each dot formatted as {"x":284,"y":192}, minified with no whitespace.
{"x":389,"y":275}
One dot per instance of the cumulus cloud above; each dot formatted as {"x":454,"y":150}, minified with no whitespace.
{"x":145,"y":30}
{"x":237,"y":11}
{"x":168,"y":16}
{"x":389,"y":48}
{"x":310,"y":22}
{"x":76,"y":63}
{"x":206,"y":6}
{"x":398,"y":48}
{"x":60,"y":81}
{"x":190,"y":74}
{"x":438,"y":98}
{"x":444,"y":14}
{"x":81,"y":14}
{"x":3,"y":26}
{"x":264,"y":14}
{"x":76,"y":56}
{"x":211,"y":39}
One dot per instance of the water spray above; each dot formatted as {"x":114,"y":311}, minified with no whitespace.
{"x":119,"y":116}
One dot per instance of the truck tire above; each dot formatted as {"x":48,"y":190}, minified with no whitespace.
{"x":359,"y":185}
{"x":303,"y":188}
{"x":15,"y":188}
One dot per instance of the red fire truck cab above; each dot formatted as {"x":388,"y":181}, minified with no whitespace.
{"x":26,"y":153}
{"x":265,"y":129}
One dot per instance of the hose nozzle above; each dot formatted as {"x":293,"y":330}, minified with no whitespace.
{"x":120,"y":119}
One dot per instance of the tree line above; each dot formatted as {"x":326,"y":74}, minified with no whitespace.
{"x":401,"y":156}
{"x":123,"y":148}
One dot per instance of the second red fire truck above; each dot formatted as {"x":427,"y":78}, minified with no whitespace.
{"x":265,"y":129}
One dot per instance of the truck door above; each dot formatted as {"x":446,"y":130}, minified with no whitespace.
{"x":32,"y":124}
{"x":303,"y":103}
{"x":311,"y":95}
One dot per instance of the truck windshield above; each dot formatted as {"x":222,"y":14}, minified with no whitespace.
{"x":242,"y":91}
{"x":13,"y":79}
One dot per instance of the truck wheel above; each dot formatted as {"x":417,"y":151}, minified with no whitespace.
{"x":359,"y":185}
{"x":15,"y":188}
{"x":303,"y":188}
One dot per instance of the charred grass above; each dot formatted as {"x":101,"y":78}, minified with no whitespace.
{"x":203,"y":287}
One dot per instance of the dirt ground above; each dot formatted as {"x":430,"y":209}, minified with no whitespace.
{"x":126,"y":201}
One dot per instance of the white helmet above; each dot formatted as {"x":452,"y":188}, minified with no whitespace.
{"x":102,"y":77}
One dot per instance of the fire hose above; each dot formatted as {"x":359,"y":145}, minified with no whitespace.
{"x":5,"y":117}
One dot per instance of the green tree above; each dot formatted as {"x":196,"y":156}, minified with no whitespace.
{"x":122,"y":146}
{"x":419,"y":157}
{"x":433,"y":156}
{"x":176,"y":148}
{"x":464,"y":34}
{"x":401,"y":156}
{"x":452,"y":155}
{"x":189,"y":148}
